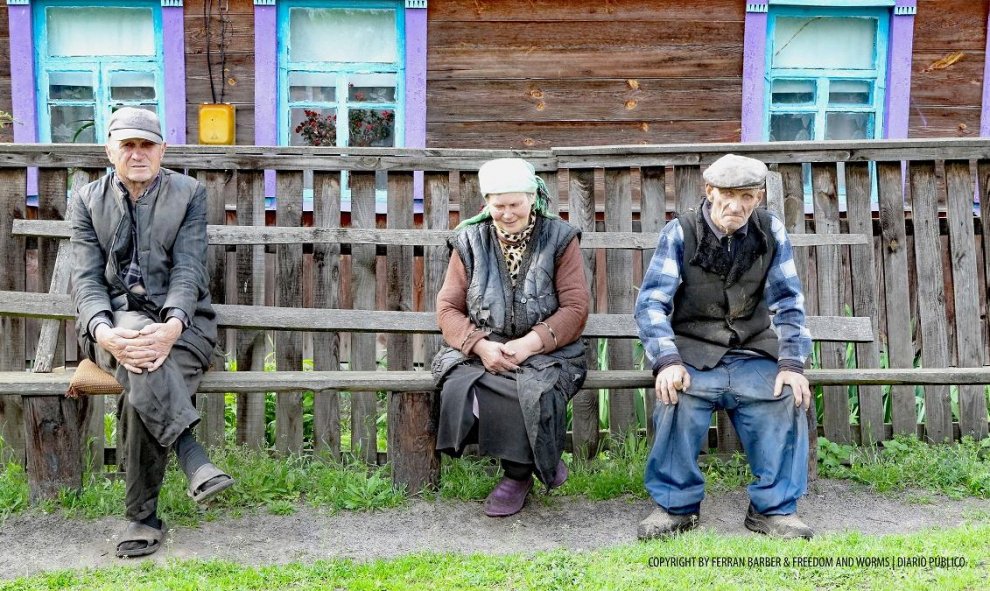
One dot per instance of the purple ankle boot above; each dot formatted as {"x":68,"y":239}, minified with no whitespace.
{"x":561,"y":476}
{"x":508,"y":497}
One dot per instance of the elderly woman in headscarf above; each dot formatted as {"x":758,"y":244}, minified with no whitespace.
{"x":512,"y":308}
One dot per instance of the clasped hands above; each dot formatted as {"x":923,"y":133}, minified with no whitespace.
{"x":676,"y":378}
{"x":499,"y":357}
{"x":140,"y":350}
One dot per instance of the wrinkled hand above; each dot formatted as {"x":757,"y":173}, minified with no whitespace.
{"x":671,"y":380}
{"x":495,"y":356}
{"x":124,"y":345}
{"x":799,"y":386}
{"x":159,"y":337}
{"x":524,"y":347}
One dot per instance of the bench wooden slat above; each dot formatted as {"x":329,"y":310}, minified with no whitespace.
{"x":57,"y":382}
{"x":13,"y":303}
{"x":237,"y":235}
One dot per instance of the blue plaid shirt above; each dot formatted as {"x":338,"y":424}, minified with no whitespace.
{"x":782,"y":294}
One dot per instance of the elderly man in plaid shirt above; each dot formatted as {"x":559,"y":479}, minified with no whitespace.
{"x":721,"y":316}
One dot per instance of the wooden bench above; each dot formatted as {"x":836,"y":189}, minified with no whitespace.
{"x":54,"y":448}
{"x":54,"y":454}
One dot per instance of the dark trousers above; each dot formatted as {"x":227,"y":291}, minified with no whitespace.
{"x":144,"y":459}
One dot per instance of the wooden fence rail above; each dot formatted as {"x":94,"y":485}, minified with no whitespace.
{"x":922,"y":275}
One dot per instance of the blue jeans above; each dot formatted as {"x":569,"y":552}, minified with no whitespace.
{"x":774,"y":435}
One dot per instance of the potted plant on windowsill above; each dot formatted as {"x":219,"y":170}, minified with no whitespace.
{"x":366,"y":126}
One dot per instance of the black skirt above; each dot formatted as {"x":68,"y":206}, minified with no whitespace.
{"x":499,"y":430}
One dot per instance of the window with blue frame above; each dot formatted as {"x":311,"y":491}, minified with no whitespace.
{"x":341,"y":62}
{"x":826,"y":73}
{"x":92,"y":59}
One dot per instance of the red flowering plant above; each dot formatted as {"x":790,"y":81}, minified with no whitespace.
{"x":367,"y":126}
{"x":318,"y":129}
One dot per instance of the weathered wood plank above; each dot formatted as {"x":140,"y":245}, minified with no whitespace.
{"x":983,"y":172}
{"x":965,"y":281}
{"x":12,"y":303}
{"x":326,"y":294}
{"x":584,"y":10}
{"x":688,"y":187}
{"x":251,"y":344}
{"x":54,"y":447}
{"x":471,"y":200}
{"x":900,"y":349}
{"x":272,"y":235}
{"x":865,"y":295}
{"x":829,"y":263}
{"x":652,"y":218}
{"x":581,"y":199}
{"x":412,"y":423}
{"x":436,"y":218}
{"x":211,"y":406}
{"x":364,"y":407}
{"x":52,"y":187}
{"x":618,"y":208}
{"x":55,"y":383}
{"x":288,"y":292}
{"x":12,"y":353}
{"x":931,"y":296}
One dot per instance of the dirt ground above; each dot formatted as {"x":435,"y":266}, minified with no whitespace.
{"x":34,"y":542}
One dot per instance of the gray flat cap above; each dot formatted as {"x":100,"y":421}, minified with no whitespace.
{"x":736,"y":172}
{"x":129,"y":123}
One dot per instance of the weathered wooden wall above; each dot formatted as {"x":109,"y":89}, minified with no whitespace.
{"x":236,"y":80}
{"x":584,"y":72}
{"x":6,"y":134}
{"x":946,"y":99}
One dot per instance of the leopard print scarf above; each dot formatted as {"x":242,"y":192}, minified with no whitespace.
{"x":514,"y":247}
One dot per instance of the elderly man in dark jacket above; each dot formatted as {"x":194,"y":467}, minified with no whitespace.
{"x":142,"y":294}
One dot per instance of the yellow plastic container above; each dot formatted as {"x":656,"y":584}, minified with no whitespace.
{"x":216,"y":124}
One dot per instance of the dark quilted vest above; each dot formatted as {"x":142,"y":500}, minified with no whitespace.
{"x":490,"y":290}
{"x":718,"y":311}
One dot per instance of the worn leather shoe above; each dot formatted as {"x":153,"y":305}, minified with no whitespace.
{"x":661,"y":524}
{"x":508,"y":497}
{"x":778,"y":526}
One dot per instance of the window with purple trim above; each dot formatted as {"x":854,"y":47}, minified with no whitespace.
{"x":91,"y":59}
{"x":826,"y":73}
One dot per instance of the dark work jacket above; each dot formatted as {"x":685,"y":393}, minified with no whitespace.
{"x":171,"y":233}
{"x":545,"y":382}
{"x":718,"y":311}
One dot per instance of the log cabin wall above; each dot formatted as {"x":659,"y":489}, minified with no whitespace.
{"x":236,"y":81}
{"x":6,"y":134}
{"x":950,"y":40}
{"x":547,"y":73}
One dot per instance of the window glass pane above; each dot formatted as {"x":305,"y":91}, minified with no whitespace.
{"x":848,"y":126}
{"x":73,"y":124}
{"x":342,"y":35}
{"x":849,"y":92}
{"x":792,"y":127}
{"x":317,"y":87}
{"x":371,"y":88}
{"x":312,"y":127}
{"x":100,"y":31}
{"x":74,"y":86}
{"x":372,"y":128}
{"x":792,"y":92}
{"x":824,"y":42}
{"x":132,"y":86}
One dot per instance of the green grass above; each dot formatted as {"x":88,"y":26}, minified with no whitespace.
{"x":630,"y":566}
{"x":278,"y":485}
{"x":955,"y":470}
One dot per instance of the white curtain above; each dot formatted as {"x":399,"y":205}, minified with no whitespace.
{"x":342,"y":35}
{"x":100,"y":31}
{"x":824,"y":42}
